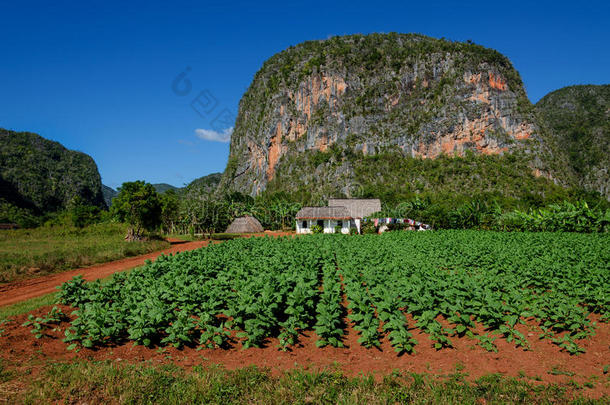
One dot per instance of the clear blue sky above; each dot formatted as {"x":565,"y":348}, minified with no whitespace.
{"x":97,"y":76}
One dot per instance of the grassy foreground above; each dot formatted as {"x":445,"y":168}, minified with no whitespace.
{"x":34,"y":252}
{"x":24,"y":307}
{"x":113,"y":383}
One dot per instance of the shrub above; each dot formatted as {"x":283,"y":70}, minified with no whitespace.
{"x":397,"y":227}
{"x":315,"y":229}
{"x":368,"y":228}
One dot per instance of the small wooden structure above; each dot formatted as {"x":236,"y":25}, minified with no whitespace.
{"x":9,"y":226}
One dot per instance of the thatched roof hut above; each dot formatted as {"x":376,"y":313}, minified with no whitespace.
{"x":245,"y":224}
{"x":357,"y":207}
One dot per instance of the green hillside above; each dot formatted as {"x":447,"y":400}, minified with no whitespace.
{"x":163,"y":187}
{"x":39,"y":176}
{"x":578,"y":123}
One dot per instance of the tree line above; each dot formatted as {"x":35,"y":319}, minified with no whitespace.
{"x":200,"y":211}
{"x":196,"y":211}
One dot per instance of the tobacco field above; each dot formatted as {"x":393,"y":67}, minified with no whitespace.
{"x":245,"y":291}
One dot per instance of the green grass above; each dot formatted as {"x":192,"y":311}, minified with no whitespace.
{"x":112,"y":382}
{"x":186,"y":238}
{"x":27,"y":306}
{"x":26,"y":253}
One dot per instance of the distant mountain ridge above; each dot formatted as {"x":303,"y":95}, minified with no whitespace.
{"x":204,"y":185}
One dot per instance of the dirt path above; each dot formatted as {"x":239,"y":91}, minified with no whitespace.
{"x":18,"y":291}
{"x":23,"y":290}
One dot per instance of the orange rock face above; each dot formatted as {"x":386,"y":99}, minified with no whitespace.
{"x":477,"y":134}
{"x":256,"y":153}
{"x":274,"y":151}
{"x":496,"y":82}
{"x":471,"y":135}
{"x":309,"y":95}
{"x":317,"y":100}
{"x":311,"y":91}
{"x":472,"y":78}
{"x":322,"y":143}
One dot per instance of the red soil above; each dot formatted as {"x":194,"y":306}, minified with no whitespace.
{"x":18,"y":347}
{"x":23,"y":290}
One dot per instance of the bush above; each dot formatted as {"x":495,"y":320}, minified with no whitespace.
{"x":338,"y":229}
{"x":397,"y":227}
{"x":353,"y":231}
{"x":368,"y":228}
{"x":315,"y":229}
{"x":563,"y":217}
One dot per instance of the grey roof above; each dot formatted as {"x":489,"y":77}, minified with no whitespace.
{"x":245,"y":224}
{"x":323,"y":213}
{"x":357,"y":207}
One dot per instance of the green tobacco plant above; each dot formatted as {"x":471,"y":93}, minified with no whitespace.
{"x":50,"y":321}
{"x":446,"y":283}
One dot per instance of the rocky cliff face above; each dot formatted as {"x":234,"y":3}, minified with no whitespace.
{"x":420,"y":96}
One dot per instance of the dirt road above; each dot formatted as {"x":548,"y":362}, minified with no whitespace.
{"x":18,"y":291}
{"x":23,"y":290}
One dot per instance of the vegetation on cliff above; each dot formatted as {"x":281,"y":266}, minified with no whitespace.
{"x":368,"y":93}
{"x":399,"y":116}
{"x":578,"y":122}
{"x":39,"y":176}
{"x":394,"y":178}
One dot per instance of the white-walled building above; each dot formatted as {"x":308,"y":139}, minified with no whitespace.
{"x":326,"y":217}
{"x":346,"y":213}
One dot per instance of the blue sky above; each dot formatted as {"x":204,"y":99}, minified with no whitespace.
{"x":97,"y":76}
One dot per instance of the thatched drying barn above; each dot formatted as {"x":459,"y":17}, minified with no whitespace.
{"x":245,"y":224}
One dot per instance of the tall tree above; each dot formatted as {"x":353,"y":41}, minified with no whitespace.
{"x":170,"y":210}
{"x":138,"y":205}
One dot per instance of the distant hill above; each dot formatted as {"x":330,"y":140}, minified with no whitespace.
{"x":206,"y":184}
{"x":109,"y":194}
{"x":163,"y":187}
{"x":578,"y":123}
{"x":42,"y":176}
{"x":203,"y":185}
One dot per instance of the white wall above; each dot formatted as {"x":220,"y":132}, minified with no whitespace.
{"x":300,"y":228}
{"x":329,"y":226}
